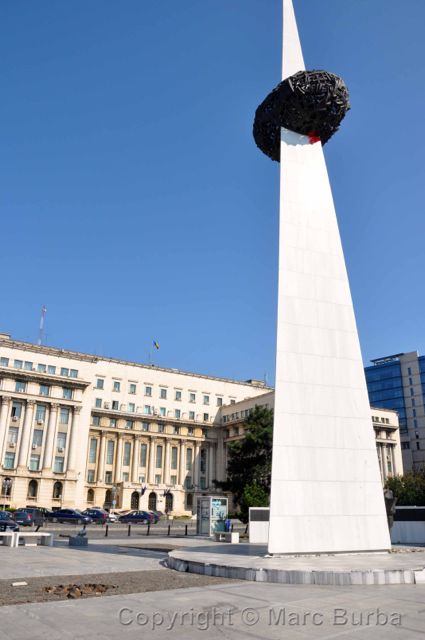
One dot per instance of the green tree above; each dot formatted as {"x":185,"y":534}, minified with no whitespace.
{"x":409,"y":489}
{"x":250,"y":461}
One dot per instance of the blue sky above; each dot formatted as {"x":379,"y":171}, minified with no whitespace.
{"x":135,"y":204}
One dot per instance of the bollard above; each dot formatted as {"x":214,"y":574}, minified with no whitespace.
{"x":106,"y":530}
{"x":246,"y":529}
{"x":148,"y":529}
{"x":185,"y":529}
{"x":129,"y":530}
{"x":169,"y":528}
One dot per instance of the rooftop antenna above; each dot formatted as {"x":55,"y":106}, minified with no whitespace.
{"x":41,"y":328}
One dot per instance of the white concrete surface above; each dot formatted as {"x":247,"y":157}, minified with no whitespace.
{"x":326,"y":489}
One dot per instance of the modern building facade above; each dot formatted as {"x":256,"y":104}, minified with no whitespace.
{"x":398,"y":382}
{"x":383,"y":421}
{"x":82,"y":430}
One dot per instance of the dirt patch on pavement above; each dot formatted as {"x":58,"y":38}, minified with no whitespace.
{"x":54,"y":588}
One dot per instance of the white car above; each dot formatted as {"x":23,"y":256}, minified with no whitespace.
{"x":112,"y":517}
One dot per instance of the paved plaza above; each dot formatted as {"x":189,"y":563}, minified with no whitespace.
{"x":220,"y":609}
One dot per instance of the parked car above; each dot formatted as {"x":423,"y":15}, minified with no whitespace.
{"x":31,"y":515}
{"x":99,"y":516}
{"x":6,"y":522}
{"x":137,"y":517}
{"x":70,"y":516}
{"x":156,"y":517}
{"x":112,"y":517}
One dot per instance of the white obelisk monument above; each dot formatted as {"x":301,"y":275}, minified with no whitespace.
{"x":326,"y":488}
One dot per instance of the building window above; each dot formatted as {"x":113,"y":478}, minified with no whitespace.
{"x":95,"y":421}
{"x":131,"y":407}
{"x":64,"y":415}
{"x":112,"y":422}
{"x":158,"y":479}
{"x":174,"y":455}
{"x":190,"y":431}
{"x":203,"y":461}
{"x":191,"y":415}
{"x":177,"y":413}
{"x":192,"y":397}
{"x":4,"y":362}
{"x":163,"y":394}
{"x":108,"y":477}
{"x":125,"y":476}
{"x":12,"y":437}
{"x":51,"y":369}
{"x":189,"y":454}
{"x":58,"y":466}
{"x":418,"y":445}
{"x":188,"y":482}
{"x":148,"y":391}
{"x":413,"y":402}
{"x":147,"y":409}
{"x":161,"y":427}
{"x":16,"y":409}
{"x":162,"y":411}
{"x":90,"y":475}
{"x":142,"y":479}
{"x":409,"y":371}
{"x":61,"y":440}
{"x":232,"y":401}
{"x":129,"y":424}
{"x":415,"y":424}
{"x":219,"y":402}
{"x":173,"y":480}
{"x":18,"y":364}
{"x":20,"y":386}
{"x":98,"y":403}
{"x":206,"y":399}
{"x":132,"y":388}
{"x":44,"y":390}
{"x":40,"y":412}
{"x":110,"y":452}
{"x":143,"y":454}
{"x":28,"y":365}
{"x":115,"y":405}
{"x":405,"y":445}
{"x":73,"y":373}
{"x":100,"y":383}
{"x":9,"y":460}
{"x":37,"y":437}
{"x":67,"y":393}
{"x":145,"y":426}
{"x":65,"y":372}
{"x":116,"y":386}
{"x":32,"y":488}
{"x":414,"y":413}
{"x":178,"y":395}
{"x":34,"y":462}
{"x":206,"y":417}
{"x":127,"y":454}
{"x":93,"y":450}
{"x":159,"y":456}
{"x":203,"y":484}
{"x":176,"y":430}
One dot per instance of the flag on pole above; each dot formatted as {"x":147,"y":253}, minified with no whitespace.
{"x":156,"y":344}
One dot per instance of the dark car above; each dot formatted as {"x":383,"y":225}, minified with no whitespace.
{"x":137,"y":517}
{"x":70,"y":516}
{"x":99,"y":516}
{"x":6,"y":522}
{"x":156,"y":516}
{"x":28,"y":516}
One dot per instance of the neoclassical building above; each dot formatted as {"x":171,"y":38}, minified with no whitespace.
{"x":83,"y":430}
{"x":80,"y":430}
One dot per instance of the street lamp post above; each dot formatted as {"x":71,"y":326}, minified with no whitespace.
{"x":114,"y":496}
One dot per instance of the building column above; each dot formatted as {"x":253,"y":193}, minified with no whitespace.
{"x":73,"y":443}
{"x":118,"y":460}
{"x":135,"y":464}
{"x":151,"y":461}
{"x":101,"y":459}
{"x":211,"y":472}
{"x":196,"y":465}
{"x":220,"y":457}
{"x":166,"y":476}
{"x":50,"y":439}
{"x":4,"y":413}
{"x":26,"y":434}
{"x":182,"y":463}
